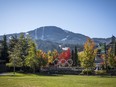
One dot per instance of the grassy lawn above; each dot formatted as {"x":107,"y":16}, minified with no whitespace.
{"x":31,"y":80}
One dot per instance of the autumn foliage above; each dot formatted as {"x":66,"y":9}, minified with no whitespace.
{"x":65,"y":55}
{"x":49,"y":57}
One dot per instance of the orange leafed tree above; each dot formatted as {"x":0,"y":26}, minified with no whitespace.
{"x":42,"y":58}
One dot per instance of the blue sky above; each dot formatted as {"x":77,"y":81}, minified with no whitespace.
{"x":94,"y":18}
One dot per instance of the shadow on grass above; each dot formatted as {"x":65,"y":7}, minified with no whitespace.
{"x":21,"y":74}
{"x":106,"y":76}
{"x":17,"y":74}
{"x":48,"y":74}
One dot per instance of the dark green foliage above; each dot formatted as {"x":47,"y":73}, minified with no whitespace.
{"x":4,"y":49}
{"x":113,"y":45}
{"x":41,"y":62}
{"x":23,"y":47}
{"x":14,"y":52}
{"x":18,"y":50}
{"x":75,"y":57}
{"x":12,"y":42}
{"x":115,"y":49}
{"x":0,"y":49}
{"x":72,"y":56}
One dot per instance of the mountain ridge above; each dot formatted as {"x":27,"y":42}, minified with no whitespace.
{"x":56,"y":34}
{"x":53,"y":36}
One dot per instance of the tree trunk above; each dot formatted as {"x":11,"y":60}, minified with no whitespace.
{"x":87,"y":71}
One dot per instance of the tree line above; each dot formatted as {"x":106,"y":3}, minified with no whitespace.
{"x":21,"y":52}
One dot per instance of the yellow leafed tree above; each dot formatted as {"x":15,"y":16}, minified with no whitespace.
{"x":88,"y":55}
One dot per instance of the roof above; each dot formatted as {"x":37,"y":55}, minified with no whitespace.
{"x":98,"y":59}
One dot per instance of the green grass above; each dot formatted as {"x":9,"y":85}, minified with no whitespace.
{"x":31,"y":80}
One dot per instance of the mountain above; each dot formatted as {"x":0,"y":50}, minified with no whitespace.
{"x":51,"y":37}
{"x":56,"y":34}
{"x":102,"y":40}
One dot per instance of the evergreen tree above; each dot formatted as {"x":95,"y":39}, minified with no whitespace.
{"x":0,"y":49}
{"x":23,"y":42}
{"x":76,"y":56}
{"x":15,"y":57}
{"x":113,"y":45}
{"x":12,"y":42}
{"x":14,"y":52}
{"x":72,"y":57}
{"x":31,"y":59}
{"x":4,"y":49}
{"x":115,"y":49}
{"x":18,"y":50}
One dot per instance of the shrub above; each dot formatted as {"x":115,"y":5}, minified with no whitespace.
{"x":100,"y":72}
{"x":87,"y":72}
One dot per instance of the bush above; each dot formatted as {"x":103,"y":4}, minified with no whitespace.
{"x":100,"y":72}
{"x":87,"y":72}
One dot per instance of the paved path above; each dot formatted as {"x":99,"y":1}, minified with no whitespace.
{"x":5,"y":74}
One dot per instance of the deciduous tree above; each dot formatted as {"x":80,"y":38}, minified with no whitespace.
{"x":111,"y":59}
{"x":42,"y":58}
{"x":87,"y":57}
{"x":65,"y":54}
